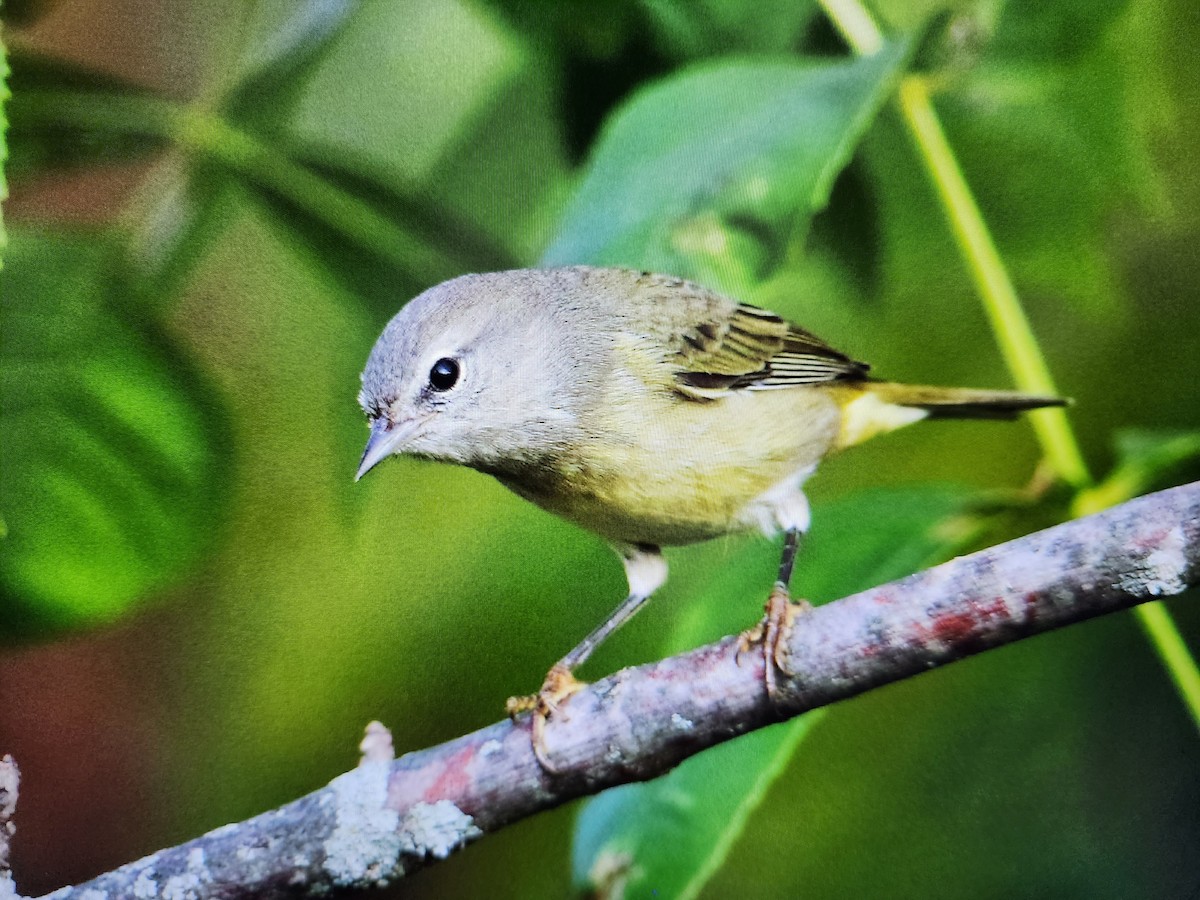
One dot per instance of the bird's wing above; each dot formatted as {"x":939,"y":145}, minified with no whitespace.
{"x":747,"y":348}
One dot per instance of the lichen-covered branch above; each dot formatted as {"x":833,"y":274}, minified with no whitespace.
{"x":10,"y":778}
{"x":390,"y":816}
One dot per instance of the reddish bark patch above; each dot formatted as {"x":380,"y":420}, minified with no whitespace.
{"x":1149,"y":542}
{"x":454,"y":780}
{"x":997,"y":609}
{"x":953,"y":628}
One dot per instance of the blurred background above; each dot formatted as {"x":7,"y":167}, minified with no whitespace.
{"x":216,"y":205}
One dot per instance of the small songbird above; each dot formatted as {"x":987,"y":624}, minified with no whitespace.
{"x":645,"y":408}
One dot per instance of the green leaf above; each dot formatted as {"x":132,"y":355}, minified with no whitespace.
{"x":711,"y":27}
{"x":112,"y":443}
{"x":1156,"y":454}
{"x":711,"y":173}
{"x":284,"y":47}
{"x":635,"y":34}
{"x":195,"y":207}
{"x":65,"y":115}
{"x":377,"y":172}
{"x":287,"y":35}
{"x":4,"y":96}
{"x":666,"y":838}
{"x":1057,"y":32}
{"x":1043,"y":127}
{"x":1146,"y":460}
{"x":397,"y":119}
{"x":438,"y":244}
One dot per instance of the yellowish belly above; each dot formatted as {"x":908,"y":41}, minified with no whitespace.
{"x":687,"y":471}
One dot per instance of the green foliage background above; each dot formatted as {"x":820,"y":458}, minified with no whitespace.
{"x":215,"y":207}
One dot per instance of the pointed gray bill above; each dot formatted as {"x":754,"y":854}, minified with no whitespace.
{"x":386,"y":438}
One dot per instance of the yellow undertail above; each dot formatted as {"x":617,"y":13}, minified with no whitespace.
{"x":876,"y":407}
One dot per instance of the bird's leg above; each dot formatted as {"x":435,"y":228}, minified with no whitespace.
{"x":787,"y":561}
{"x":780,"y":611}
{"x":646,"y":570}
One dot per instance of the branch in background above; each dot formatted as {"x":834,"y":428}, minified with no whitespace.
{"x":1010,"y":325}
{"x":10,"y":778}
{"x":389,"y":817}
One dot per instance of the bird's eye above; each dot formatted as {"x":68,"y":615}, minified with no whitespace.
{"x":443,"y":375}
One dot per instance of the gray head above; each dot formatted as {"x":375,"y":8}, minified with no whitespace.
{"x":483,"y":370}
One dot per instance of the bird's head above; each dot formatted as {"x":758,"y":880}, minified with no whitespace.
{"x":476,"y":371}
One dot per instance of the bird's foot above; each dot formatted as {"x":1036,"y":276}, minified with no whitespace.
{"x":558,"y":686}
{"x":780,"y":614}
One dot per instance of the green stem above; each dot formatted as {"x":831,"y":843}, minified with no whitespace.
{"x":856,"y":25}
{"x":1164,"y":636}
{"x":1017,"y":343}
{"x":202,"y":133}
{"x":1014,"y":335}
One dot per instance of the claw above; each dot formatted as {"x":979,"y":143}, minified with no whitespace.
{"x":557,"y":687}
{"x":780,"y":615}
{"x":747,"y":641}
{"x":515,"y":706}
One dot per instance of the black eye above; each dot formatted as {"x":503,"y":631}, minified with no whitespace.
{"x":443,"y":375}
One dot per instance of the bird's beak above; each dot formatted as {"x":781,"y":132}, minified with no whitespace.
{"x":386,"y":438}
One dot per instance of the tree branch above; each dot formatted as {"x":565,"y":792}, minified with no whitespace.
{"x":389,"y":817}
{"x":10,"y":779}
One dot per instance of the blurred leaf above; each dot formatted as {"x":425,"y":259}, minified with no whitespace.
{"x":1146,"y":460}
{"x":580,"y":30}
{"x":583,"y":29}
{"x":192,"y":207}
{"x":1029,"y":29}
{"x":710,"y":173}
{"x":289,"y":41}
{"x":668,"y":837}
{"x":4,"y":97}
{"x":604,"y":51}
{"x":67,"y":115}
{"x":382,"y":218}
{"x":710,"y":27}
{"x":356,"y":227}
{"x":1042,"y":128}
{"x":844,"y":237}
{"x":400,"y":114}
{"x":26,"y":12}
{"x":1156,"y":454}
{"x":438,"y":246}
{"x":596,"y":52}
{"x":473,"y":131}
{"x":112,"y":442}
{"x":349,"y":161}
{"x":1056,"y":32}
{"x":287,"y":36}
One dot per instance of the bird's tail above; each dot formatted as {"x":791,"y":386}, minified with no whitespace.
{"x":875,"y":407}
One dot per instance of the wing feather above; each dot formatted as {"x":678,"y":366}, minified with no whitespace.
{"x":754,"y":349}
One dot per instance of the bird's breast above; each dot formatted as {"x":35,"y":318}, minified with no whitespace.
{"x":668,"y":470}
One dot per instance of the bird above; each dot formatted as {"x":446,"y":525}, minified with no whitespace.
{"x":645,"y":408}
